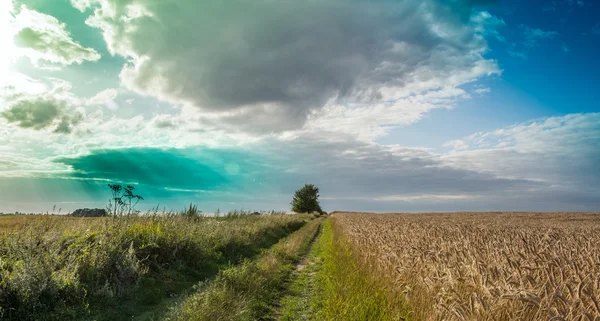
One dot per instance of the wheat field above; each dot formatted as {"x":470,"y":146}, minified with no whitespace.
{"x":483,"y":266}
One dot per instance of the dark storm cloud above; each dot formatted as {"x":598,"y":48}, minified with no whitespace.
{"x":281,"y":59}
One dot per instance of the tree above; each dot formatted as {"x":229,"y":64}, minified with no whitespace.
{"x":306,"y":200}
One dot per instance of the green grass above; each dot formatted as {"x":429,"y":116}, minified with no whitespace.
{"x":344,"y":289}
{"x":297,"y":305}
{"x":251,"y":290}
{"x":113,"y":269}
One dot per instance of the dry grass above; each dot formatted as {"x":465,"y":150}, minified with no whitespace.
{"x":12,"y":222}
{"x":484,"y":266}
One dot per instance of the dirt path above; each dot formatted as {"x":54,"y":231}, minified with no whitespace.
{"x":296,"y":305}
{"x":159,"y":310}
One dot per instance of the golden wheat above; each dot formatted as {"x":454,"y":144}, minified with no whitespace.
{"x":484,"y":266}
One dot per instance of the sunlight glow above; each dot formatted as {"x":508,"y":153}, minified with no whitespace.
{"x":8,"y":53}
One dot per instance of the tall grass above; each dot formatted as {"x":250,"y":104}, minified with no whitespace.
{"x":248,"y":291}
{"x":55,"y":267}
{"x":243,"y":213}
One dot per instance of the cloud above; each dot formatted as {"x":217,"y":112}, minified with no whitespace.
{"x":578,"y":3}
{"x":352,"y":169}
{"x":516,"y":54}
{"x":156,"y":167}
{"x":551,"y":7}
{"x":457,"y":144}
{"x":487,"y":24}
{"x":268,"y":65}
{"x":41,"y":113}
{"x":35,"y":114}
{"x":164,"y":121}
{"x":43,"y":37}
{"x":106,"y":98}
{"x":483,"y":90}
{"x":554,"y":4}
{"x":366,"y":123}
{"x":67,"y":122}
{"x":39,"y":105}
{"x":547,"y":164}
{"x":531,"y":39}
{"x":562,"y":152}
{"x":533,"y":35}
{"x":268,"y":172}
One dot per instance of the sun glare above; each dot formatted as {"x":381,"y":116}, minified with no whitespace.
{"x":7,"y":48}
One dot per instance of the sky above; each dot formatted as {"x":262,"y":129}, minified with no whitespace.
{"x":385,"y":105}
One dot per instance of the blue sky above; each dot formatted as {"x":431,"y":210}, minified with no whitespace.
{"x":545,"y":81}
{"x":385,"y":105}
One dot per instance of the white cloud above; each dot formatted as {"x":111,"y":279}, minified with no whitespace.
{"x":39,"y":105}
{"x":106,"y":98}
{"x":369,"y":122}
{"x":264,"y":66}
{"x":483,"y":90}
{"x":44,"y":39}
{"x":457,"y":144}
{"x":517,"y":54}
{"x":560,"y":151}
{"x":487,"y":24}
{"x":7,"y":54}
{"x":533,"y":35}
